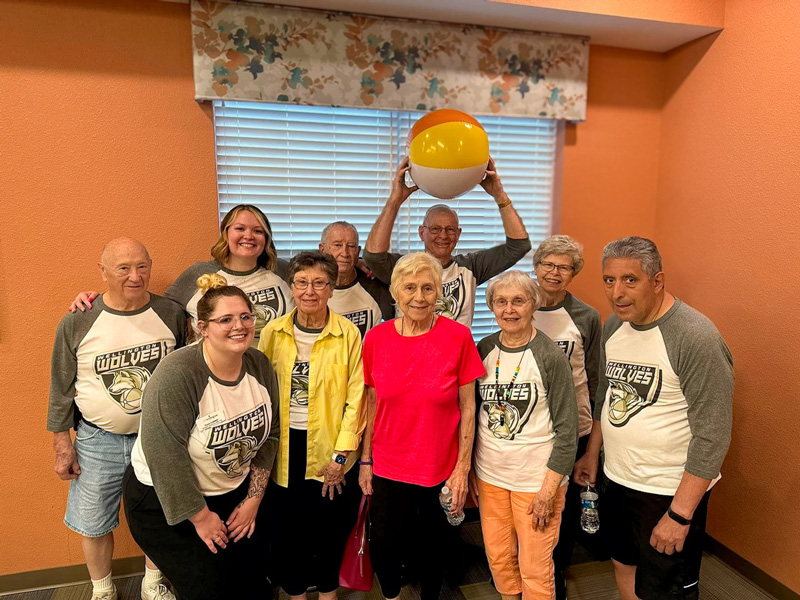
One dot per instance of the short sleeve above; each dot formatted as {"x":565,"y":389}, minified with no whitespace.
{"x":470,"y":367}
{"x":367,"y":354}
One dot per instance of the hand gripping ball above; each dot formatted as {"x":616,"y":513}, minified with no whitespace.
{"x":448,"y":151}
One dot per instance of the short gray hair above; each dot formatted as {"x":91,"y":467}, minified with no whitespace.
{"x":411,"y":264}
{"x":438,"y":208}
{"x":638,"y":248}
{"x":518,"y":279}
{"x":310,"y":260}
{"x":328,"y":228}
{"x":560,"y":244}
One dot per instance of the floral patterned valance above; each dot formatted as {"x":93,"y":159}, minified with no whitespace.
{"x":278,"y":54}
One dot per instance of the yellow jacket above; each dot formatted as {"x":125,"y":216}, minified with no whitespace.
{"x":335,"y":391}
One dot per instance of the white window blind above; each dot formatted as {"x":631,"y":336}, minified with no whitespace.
{"x":306,"y":166}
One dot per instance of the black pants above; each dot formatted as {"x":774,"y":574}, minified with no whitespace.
{"x":408,"y":522}
{"x":311,"y":530}
{"x":571,"y":530}
{"x":194,"y":571}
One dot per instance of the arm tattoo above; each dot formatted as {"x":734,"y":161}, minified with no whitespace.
{"x":258,"y":482}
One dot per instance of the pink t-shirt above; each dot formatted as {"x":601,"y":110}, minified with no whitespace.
{"x":416,"y":381}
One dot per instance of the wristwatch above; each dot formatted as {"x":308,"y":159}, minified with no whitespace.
{"x":677,"y":518}
{"x":339,"y":459}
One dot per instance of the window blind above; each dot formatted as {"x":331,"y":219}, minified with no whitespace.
{"x":306,"y":166}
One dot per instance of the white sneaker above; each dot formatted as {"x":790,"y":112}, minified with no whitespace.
{"x":112,"y":595}
{"x":159,"y":592}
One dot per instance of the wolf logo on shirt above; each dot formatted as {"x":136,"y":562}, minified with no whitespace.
{"x":299,"y":394}
{"x":361,"y":319}
{"x":267,"y":305}
{"x":568,"y":346}
{"x":125,"y":372}
{"x":631,"y":388}
{"x":452,"y":301}
{"x":507,"y":419}
{"x":235,"y":443}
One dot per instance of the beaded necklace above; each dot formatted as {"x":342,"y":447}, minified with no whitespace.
{"x":503,"y":398}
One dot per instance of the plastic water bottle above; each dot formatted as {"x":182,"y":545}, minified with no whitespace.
{"x":590,"y":518}
{"x":446,"y":499}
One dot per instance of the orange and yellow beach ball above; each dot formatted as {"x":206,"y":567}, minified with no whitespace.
{"x":448,"y":151}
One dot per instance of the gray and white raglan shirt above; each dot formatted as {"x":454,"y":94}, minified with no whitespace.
{"x":665,"y":400}
{"x":461,"y":277}
{"x":536,"y":427}
{"x":200,"y":435}
{"x":268,"y":292}
{"x":364,"y":301}
{"x":575,"y":327}
{"x":103,"y":359}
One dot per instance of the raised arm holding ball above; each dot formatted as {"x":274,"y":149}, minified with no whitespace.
{"x":440,"y":233}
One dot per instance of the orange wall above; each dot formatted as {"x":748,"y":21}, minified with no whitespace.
{"x":610,"y":177}
{"x":100,"y":136}
{"x":727,"y":219}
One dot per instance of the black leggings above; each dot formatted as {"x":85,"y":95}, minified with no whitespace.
{"x":408,"y":523}
{"x":311,"y":530}
{"x":194,"y":571}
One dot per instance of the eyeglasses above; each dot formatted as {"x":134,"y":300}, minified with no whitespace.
{"x":318,"y":284}
{"x":436,"y":230}
{"x":516,"y":302}
{"x":563,"y":269}
{"x":227,"y":322}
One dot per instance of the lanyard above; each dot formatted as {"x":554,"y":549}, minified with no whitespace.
{"x":502,"y":399}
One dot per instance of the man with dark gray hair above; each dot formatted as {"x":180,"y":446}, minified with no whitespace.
{"x":440,"y":233}
{"x":357,"y":297}
{"x":663,"y":414}
{"x":102,"y":361}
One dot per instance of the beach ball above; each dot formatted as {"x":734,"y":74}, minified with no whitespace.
{"x":448,"y":151}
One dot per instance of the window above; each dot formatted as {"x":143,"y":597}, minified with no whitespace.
{"x":306,"y":166}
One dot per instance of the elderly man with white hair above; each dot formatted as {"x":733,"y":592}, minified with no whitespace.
{"x":357,"y":297}
{"x":462,"y":273}
{"x":102,"y":361}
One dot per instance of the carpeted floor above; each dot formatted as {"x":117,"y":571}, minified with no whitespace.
{"x":587,"y":580}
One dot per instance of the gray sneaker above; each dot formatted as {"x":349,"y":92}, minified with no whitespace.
{"x":112,"y":595}
{"x":158,"y":592}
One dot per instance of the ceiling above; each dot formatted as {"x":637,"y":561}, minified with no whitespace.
{"x":602,"y":29}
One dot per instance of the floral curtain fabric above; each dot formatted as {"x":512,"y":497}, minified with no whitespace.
{"x":277,"y":54}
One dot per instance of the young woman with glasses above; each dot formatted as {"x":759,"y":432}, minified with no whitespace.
{"x":207,"y":442}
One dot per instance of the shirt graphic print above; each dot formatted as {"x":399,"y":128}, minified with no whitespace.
{"x":234,"y":443}
{"x":632,"y":388}
{"x":508,"y":410}
{"x":126,"y":371}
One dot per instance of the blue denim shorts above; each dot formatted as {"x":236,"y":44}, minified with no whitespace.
{"x":94,"y":497}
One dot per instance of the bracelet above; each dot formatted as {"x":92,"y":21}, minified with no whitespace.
{"x":365,"y":462}
{"x":677,"y":518}
{"x":504,"y":204}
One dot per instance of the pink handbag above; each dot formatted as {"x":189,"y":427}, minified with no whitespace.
{"x":356,"y":571}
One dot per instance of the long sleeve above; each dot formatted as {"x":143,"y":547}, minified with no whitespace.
{"x":169,"y":411}
{"x":562,"y":405}
{"x":485,"y":264}
{"x":63,"y":374}
{"x":354,"y":420}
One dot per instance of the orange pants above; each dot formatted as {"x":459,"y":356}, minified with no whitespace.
{"x":521,"y":559}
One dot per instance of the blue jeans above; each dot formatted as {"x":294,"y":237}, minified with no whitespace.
{"x":94,"y":497}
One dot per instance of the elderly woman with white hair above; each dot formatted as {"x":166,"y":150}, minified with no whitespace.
{"x":525,"y":443}
{"x":420,"y":370}
{"x":576,"y":328}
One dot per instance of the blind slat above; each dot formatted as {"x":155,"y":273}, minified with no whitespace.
{"x":306,"y":166}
